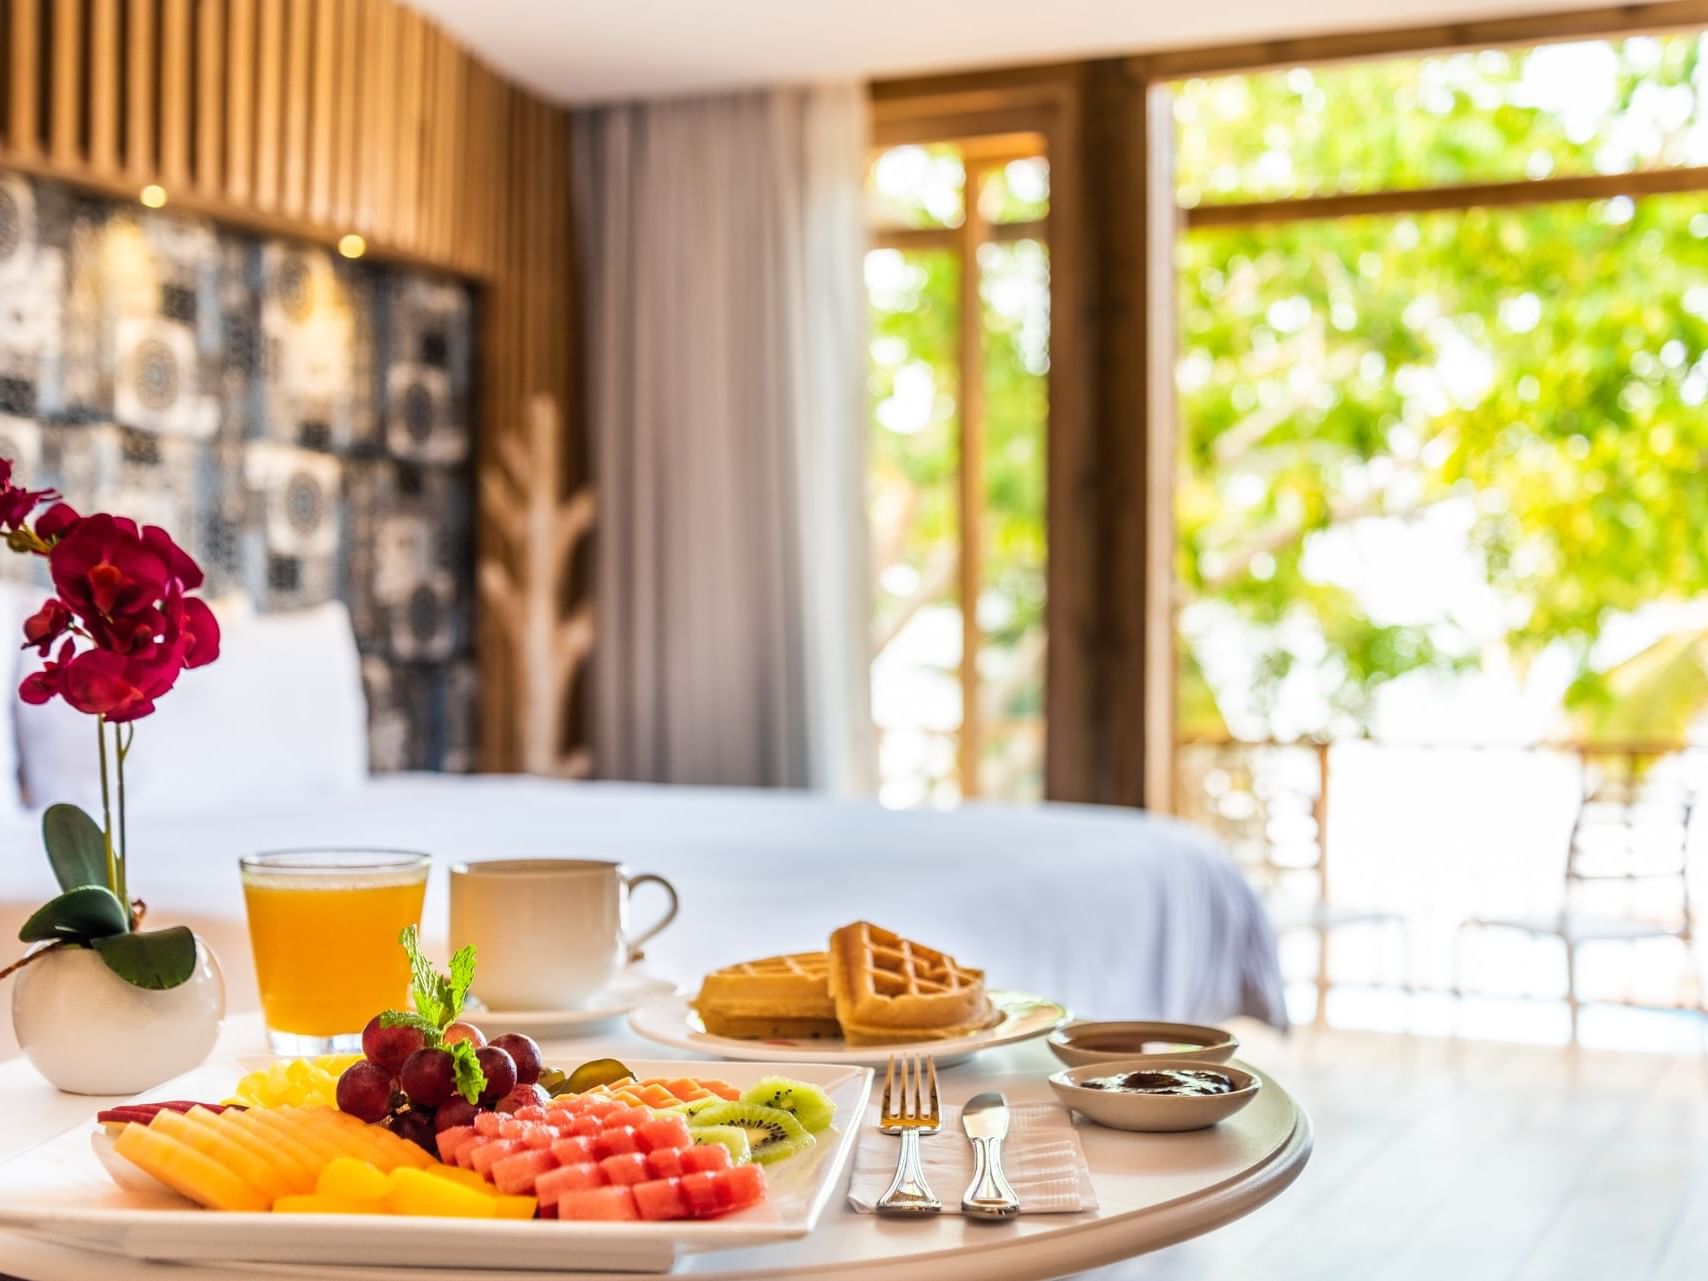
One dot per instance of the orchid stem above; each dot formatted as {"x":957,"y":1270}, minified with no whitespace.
{"x":115,"y":880}
{"x":122,"y":741}
{"x":30,"y":956}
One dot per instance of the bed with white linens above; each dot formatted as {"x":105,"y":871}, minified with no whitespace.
{"x":1116,"y":913}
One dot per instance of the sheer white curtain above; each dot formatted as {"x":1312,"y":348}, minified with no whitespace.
{"x":722,"y":242}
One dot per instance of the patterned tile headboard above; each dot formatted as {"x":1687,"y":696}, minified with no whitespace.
{"x":300,"y":422}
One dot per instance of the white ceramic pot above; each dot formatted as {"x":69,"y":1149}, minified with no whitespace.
{"x":89,"y":1032}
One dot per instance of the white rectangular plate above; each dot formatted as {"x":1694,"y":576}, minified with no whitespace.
{"x":60,"y":1191}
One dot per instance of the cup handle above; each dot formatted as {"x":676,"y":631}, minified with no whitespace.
{"x":634,"y":944}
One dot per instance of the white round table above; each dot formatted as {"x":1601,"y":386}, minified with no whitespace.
{"x":1153,"y":1189}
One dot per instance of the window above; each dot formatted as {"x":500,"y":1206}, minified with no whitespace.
{"x":958,"y":281}
{"x":1443,"y":357}
{"x":1444,"y":347}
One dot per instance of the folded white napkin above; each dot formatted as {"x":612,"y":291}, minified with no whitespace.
{"x":1041,"y":1157}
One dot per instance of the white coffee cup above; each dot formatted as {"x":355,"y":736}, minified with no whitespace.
{"x":549,"y":933}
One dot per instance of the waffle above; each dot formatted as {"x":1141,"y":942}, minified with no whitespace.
{"x":889,"y":989}
{"x":778,"y":997}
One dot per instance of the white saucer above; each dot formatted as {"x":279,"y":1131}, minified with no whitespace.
{"x":671,"y":1022}
{"x":629,"y":990}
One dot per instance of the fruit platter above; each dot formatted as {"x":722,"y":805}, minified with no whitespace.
{"x":437,"y":1147}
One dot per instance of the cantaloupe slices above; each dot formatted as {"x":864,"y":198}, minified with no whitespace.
{"x":252,"y":1165}
{"x":185,"y":1170}
{"x":258,"y":1158}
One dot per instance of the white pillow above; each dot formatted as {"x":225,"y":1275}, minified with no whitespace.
{"x":17,"y":602}
{"x":281,"y":713}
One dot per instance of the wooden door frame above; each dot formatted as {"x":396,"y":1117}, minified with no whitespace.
{"x":1104,"y":447}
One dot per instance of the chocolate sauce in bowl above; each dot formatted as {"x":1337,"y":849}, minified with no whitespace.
{"x":1188,"y":1081}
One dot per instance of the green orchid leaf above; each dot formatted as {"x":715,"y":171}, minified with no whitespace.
{"x":86,"y":912}
{"x":75,"y":847}
{"x":153,"y":959}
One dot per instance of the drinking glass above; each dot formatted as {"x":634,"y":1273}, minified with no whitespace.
{"x":324,"y":924}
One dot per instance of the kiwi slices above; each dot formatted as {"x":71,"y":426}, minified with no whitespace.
{"x":732,"y":1137}
{"x":690,"y":1111}
{"x":811,"y":1106}
{"x":772,"y":1133}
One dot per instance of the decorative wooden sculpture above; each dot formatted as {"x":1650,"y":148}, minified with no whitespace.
{"x":521,"y":492}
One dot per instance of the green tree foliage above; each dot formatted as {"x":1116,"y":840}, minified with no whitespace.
{"x":1542,"y":366}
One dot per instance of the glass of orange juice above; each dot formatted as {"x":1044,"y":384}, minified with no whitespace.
{"x":324,"y":926}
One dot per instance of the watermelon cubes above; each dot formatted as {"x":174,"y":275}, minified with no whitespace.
{"x":568,"y":1178}
{"x":616,"y":1141}
{"x":627,"y":1168}
{"x":609,"y":1204}
{"x":515,"y":1174}
{"x":666,"y":1132}
{"x":706,"y":1157}
{"x":597,"y":1159}
{"x":660,"y":1199}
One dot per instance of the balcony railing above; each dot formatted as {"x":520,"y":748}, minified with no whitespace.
{"x":1423,"y":836}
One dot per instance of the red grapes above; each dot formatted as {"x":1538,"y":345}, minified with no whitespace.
{"x":364,"y":1091}
{"x":412,"y":1088}
{"x":523,"y":1096}
{"x":526,"y":1053}
{"x":417,"y":1127}
{"x":500,"y":1071}
{"x":464,"y":1032}
{"x":457,"y":1111}
{"x":390,"y":1046}
{"x":428,"y":1077}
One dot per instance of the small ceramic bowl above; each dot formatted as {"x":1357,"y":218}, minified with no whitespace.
{"x":1076,"y":1043}
{"x":1123,"y":1110}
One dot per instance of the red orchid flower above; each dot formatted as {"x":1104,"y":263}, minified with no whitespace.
{"x":16,"y":504}
{"x":46,"y":625}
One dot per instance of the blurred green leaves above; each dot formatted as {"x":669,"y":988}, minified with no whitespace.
{"x":1543,"y":365}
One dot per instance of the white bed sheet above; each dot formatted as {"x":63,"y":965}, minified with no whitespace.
{"x":1116,"y":913}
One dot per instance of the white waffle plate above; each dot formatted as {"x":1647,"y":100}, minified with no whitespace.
{"x":672,"y":1022}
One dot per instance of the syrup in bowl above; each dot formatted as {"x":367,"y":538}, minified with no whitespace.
{"x":1189,"y":1081}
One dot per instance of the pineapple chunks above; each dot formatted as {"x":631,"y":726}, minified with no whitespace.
{"x":305,"y":1161}
{"x":296,"y":1083}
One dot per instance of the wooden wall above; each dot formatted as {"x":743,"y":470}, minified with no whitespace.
{"x":317,"y":119}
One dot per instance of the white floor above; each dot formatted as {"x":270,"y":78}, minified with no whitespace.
{"x":1460,"y":1160}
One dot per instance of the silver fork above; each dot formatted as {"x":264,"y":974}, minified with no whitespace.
{"x":910,"y":1112}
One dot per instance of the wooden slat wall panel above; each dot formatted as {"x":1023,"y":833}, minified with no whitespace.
{"x":23,"y":119}
{"x":315,"y":118}
{"x":380,"y":163}
{"x":140,"y":91}
{"x":411,"y":88}
{"x":67,"y":83}
{"x":324,"y":121}
{"x":104,"y":86}
{"x":347,"y":134}
{"x":299,"y":34}
{"x":269,"y":103}
{"x":175,"y":90}
{"x":240,"y":102}
{"x":210,"y":97}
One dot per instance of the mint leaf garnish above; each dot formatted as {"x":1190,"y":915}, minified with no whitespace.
{"x":406,"y":1018}
{"x":462,"y":976}
{"x":465,"y":1065}
{"x":431,"y":990}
